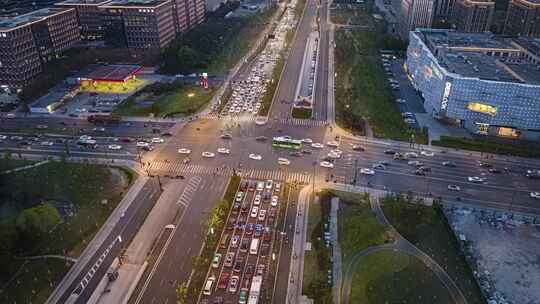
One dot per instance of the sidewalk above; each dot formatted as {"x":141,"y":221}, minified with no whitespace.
{"x":336,"y":251}
{"x":25,"y":167}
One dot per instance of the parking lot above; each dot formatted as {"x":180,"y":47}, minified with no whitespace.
{"x":242,"y":261}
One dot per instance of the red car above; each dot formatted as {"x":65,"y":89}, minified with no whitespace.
{"x":224,"y":281}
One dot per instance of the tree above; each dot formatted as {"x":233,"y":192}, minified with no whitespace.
{"x":182,"y":293}
{"x":35,"y":223}
{"x":8,"y":239}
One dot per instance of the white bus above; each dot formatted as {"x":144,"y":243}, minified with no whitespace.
{"x":254,"y":248}
{"x":255,"y":290}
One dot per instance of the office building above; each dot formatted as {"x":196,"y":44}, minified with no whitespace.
{"x":89,"y":16}
{"x":11,"y":8}
{"x":28,"y":41}
{"x":523,"y":18}
{"x":443,"y":9}
{"x":482,"y":82}
{"x":413,"y":14}
{"x":139,"y":24}
{"x":473,"y":15}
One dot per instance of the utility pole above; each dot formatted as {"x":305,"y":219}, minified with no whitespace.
{"x":355,"y":171}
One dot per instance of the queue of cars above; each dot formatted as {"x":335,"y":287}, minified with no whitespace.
{"x":241,"y":259}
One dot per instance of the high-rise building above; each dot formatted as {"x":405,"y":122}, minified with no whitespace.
{"x":140,"y":24}
{"x":413,"y":14}
{"x":473,"y":15}
{"x":443,"y":9}
{"x":190,"y":13}
{"x":89,"y":15}
{"x":27,"y":41}
{"x":523,"y":18}
{"x":11,"y":8}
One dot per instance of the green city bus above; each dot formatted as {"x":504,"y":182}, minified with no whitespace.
{"x":286,"y":142}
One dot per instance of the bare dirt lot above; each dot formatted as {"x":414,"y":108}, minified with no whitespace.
{"x":506,"y":251}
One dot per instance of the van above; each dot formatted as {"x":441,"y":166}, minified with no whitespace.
{"x":254,"y":247}
{"x":208,"y":286}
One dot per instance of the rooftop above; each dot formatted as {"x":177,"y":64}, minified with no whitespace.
{"x":35,"y":16}
{"x":135,"y":3}
{"x":471,"y":64}
{"x":452,"y":40}
{"x":83,"y":2}
{"x":110,"y":72}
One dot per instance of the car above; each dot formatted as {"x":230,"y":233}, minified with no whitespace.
{"x":401,"y":100}
{"x":274,"y":201}
{"x":333,"y":144}
{"x":114,"y":147}
{"x":244,"y":245}
{"x":224,"y":281}
{"x":242,"y":298}
{"x":476,"y":179}
{"x":261,"y":138}
{"x":334,"y":155}
{"x":411,"y":155}
{"x":327,"y":164}
{"x":184,"y":151}
{"x":415,"y":163}
{"x":277,"y":188}
{"x":46,"y":143}
{"x":141,"y":144}
{"x":10,"y":115}
{"x":250,"y":268}
{"x":494,"y":170}
{"x":208,"y":154}
{"x":167,"y":134}
{"x":98,"y":129}
{"x":262,"y":215}
{"x":235,"y":240}
{"x":425,"y":169}
{"x":239,"y":196}
{"x":484,"y":164}
{"x":223,"y":151}
{"x":260,"y":186}
{"x":306,"y":151}
{"x":454,"y":188}
{"x":238,"y":265}
{"x":157,"y":140}
{"x":257,"y":200}
{"x":419,"y":172}
{"x":448,"y":164}
{"x":254,"y":212}
{"x":233,"y":284}
{"x":317,"y":145}
{"x":390,"y":152}
{"x":379,"y":166}
{"x":535,"y":195}
{"x":427,"y":153}
{"x":216,"y":260}
{"x":226,"y":136}
{"x":260,"y":269}
{"x":358,"y":148}
{"x":367,"y":171}
{"x":307,"y":140}
{"x":295,"y":153}
{"x":407,"y":115}
{"x":268,"y":185}
{"x":42,"y":127}
{"x":229,"y":258}
{"x":255,"y":156}
{"x":283,"y":161}
{"x":265,"y":249}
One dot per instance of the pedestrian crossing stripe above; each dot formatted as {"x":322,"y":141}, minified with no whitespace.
{"x":285,"y":121}
{"x":172,"y":169}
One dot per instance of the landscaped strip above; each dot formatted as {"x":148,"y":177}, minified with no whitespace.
{"x":301,"y":113}
{"x":427,"y":228}
{"x":272,"y":86}
{"x":486,"y":146}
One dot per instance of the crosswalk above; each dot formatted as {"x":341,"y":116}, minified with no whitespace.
{"x":302,"y":122}
{"x":189,"y":191}
{"x":173,"y":169}
{"x":283,"y":121}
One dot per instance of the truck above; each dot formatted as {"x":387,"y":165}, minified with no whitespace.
{"x":114,"y":119}
{"x":255,"y":290}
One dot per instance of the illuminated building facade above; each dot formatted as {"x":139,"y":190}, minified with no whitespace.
{"x":486,"y":84}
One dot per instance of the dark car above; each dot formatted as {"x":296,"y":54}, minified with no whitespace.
{"x":244,"y":245}
{"x":307,"y":151}
{"x":244,"y":186}
{"x":449,"y":164}
{"x":261,"y":138}
{"x":250,"y":268}
{"x":359,"y":148}
{"x":494,"y":170}
{"x":238,"y":265}
{"x":390,"y":152}
{"x":166,"y":134}
{"x":425,"y":169}
{"x":295,"y":153}
{"x":484,"y":165}
{"x":419,"y":172}
{"x":226,"y":136}
{"x":252,"y":186}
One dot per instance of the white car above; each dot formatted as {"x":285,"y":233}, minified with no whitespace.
{"x":157,"y":140}
{"x":184,"y":151}
{"x":99,"y":129}
{"x":476,"y":179}
{"x":401,"y":100}
{"x":427,"y":153}
{"x":326,"y":164}
{"x":208,"y":154}
{"x":317,"y":145}
{"x":535,"y":195}
{"x":334,"y":155}
{"x":454,"y":188}
{"x":254,"y":212}
{"x":2,"y":137}
{"x":411,"y":155}
{"x":142,"y":144}
{"x":114,"y":147}
{"x":255,"y":156}
{"x":262,"y":215}
{"x":307,"y":140}
{"x":336,"y":151}
{"x":223,"y":151}
{"x":332,"y":143}
{"x":233,"y":284}
{"x":257,"y":200}
{"x":283,"y":161}
{"x":47,"y":143}
{"x":274,"y":201}
{"x":415,"y":163}
{"x":367,"y":171}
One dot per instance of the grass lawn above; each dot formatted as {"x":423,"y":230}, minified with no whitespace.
{"x":362,"y":93}
{"x":428,"y":229}
{"x":184,"y":101}
{"x":351,"y":17}
{"x":84,"y":195}
{"x":8,"y":164}
{"x":301,"y":113}
{"x":318,"y":260}
{"x":486,"y":146}
{"x":358,"y":228}
{"x":395,"y":277}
